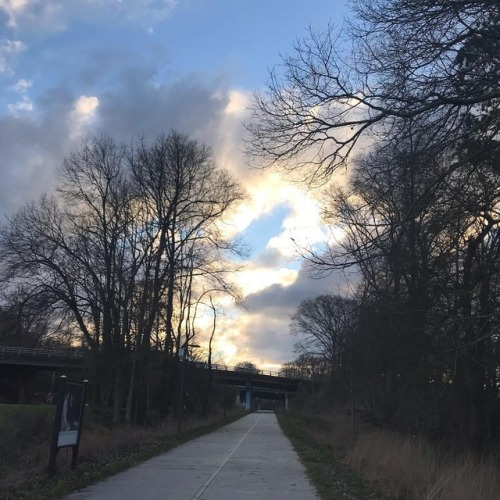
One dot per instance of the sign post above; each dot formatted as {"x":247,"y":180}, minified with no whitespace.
{"x":68,"y":421}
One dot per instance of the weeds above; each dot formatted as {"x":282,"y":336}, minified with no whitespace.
{"x":413,"y":469}
{"x":403,"y":467}
{"x":25,"y":443}
{"x":332,"y":479}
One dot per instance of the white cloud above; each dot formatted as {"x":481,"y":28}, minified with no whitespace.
{"x":8,"y":49}
{"x":39,"y":15}
{"x":23,"y":106}
{"x":82,"y":115}
{"x":22,"y":85}
{"x":14,"y":9}
{"x":238,"y":102}
{"x":86,"y":106}
{"x":254,"y":278}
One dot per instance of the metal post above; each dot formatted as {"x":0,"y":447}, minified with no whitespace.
{"x":285,"y":407}
{"x":74,"y":449}
{"x":248,"y":396}
{"x":181,"y":395}
{"x":57,"y":425}
{"x":224,"y":399}
{"x":185,"y":353}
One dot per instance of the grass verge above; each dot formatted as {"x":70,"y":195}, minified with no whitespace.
{"x":398,"y":466}
{"x":332,"y":479}
{"x":103,"y":452}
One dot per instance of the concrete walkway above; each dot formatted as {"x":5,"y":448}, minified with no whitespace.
{"x":250,"y":459}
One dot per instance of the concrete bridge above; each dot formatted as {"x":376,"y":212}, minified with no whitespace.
{"x":41,"y":358}
{"x":251,"y":385}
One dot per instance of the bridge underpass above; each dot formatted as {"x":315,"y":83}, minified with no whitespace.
{"x":19,"y":365}
{"x":251,"y":386}
{"x":254,"y":389}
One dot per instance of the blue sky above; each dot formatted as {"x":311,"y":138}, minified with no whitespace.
{"x":73,"y":68}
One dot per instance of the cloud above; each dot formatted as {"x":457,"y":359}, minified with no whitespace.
{"x":8,"y":50}
{"x":15,"y":8}
{"x":32,"y":146}
{"x":155,"y":10}
{"x":269,"y":258}
{"x":22,"y":85}
{"x":40,"y":15}
{"x":56,"y":15}
{"x":82,"y":115}
{"x":124,"y":97}
{"x":140,"y":107}
{"x":261,"y":332}
{"x":37,"y":134}
{"x":23,"y":106}
{"x":287,"y":296}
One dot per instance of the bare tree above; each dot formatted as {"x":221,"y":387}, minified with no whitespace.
{"x":324,"y":325}
{"x":307,"y":366}
{"x":186,"y":196}
{"x":122,"y":253}
{"x":434,"y":62}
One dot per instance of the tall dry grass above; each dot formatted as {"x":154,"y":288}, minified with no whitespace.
{"x":24,"y":446}
{"x":407,"y":467}
{"x":414,"y":469}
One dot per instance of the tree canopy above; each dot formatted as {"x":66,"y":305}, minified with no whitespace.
{"x":416,"y":84}
{"x":432,"y":62}
{"x":122,"y":252}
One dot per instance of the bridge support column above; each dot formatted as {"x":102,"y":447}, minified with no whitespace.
{"x":248,"y":396}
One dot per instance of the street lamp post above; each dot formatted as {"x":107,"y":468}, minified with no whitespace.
{"x":184,"y":354}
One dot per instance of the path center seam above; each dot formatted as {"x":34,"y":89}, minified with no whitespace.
{"x":207,"y":483}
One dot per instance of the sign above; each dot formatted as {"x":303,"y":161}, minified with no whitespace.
{"x":71,"y":415}
{"x":68,"y":420}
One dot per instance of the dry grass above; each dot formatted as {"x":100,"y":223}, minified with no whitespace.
{"x":25,"y":436}
{"x":413,"y":469}
{"x":24,"y":444}
{"x":406,"y":467}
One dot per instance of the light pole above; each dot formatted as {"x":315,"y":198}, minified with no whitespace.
{"x":184,"y":354}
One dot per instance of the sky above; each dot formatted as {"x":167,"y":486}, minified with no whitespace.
{"x":70,"y":69}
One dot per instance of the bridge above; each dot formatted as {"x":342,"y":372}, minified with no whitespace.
{"x":250,"y":384}
{"x":256,"y":384}
{"x":41,"y":357}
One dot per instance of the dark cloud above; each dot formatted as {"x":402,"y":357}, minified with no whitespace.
{"x":270,"y":258}
{"x":34,"y":145}
{"x":32,"y":148}
{"x":139,"y":107}
{"x":267,"y":339}
{"x":267,"y":334}
{"x":283,"y":298}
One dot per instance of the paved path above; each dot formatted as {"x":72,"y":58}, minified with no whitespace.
{"x":250,"y":459}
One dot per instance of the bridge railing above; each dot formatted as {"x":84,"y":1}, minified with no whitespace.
{"x":226,"y":368}
{"x":44,"y":352}
{"x":39,"y":352}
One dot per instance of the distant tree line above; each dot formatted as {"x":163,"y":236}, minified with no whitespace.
{"x":418,"y":345}
{"x":119,"y":261}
